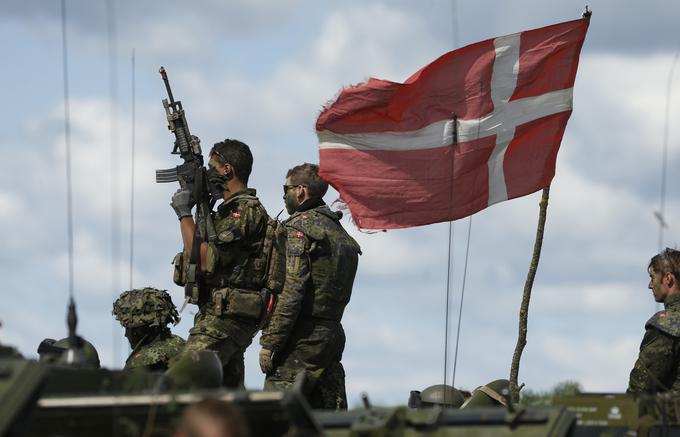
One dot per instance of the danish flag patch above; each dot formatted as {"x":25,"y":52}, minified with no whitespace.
{"x":305,"y":216}
{"x":236,"y":214}
{"x":299,"y":234}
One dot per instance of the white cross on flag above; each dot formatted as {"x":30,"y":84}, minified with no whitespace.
{"x":389,"y":148}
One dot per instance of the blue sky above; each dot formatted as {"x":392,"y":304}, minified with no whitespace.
{"x":260,"y":71}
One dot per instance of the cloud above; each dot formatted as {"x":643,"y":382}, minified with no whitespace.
{"x":369,"y":36}
{"x":590,"y":300}
{"x":618,"y":120}
{"x":398,"y":253}
{"x":176,"y":29}
{"x":600,"y":366}
{"x":13,"y":211}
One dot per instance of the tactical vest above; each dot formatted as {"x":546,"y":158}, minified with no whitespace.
{"x":253,"y":270}
{"x":333,"y":256}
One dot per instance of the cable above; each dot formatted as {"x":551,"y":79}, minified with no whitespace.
{"x":455,"y":27}
{"x":132,"y":175}
{"x":67,"y":141}
{"x":114,"y":171}
{"x":462,"y":297}
{"x":448,"y":294}
{"x":664,"y":154}
{"x":451,"y":222}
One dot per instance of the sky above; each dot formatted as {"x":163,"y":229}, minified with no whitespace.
{"x":261,"y":71}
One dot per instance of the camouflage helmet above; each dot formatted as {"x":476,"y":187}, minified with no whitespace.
{"x":492,"y":394}
{"x":195,"y":370}
{"x":145,"y":307}
{"x":52,"y":352}
{"x":441,"y":395}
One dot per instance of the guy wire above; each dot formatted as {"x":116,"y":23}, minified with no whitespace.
{"x":67,"y":141}
{"x":114,"y":170}
{"x":462,"y":296}
{"x":448,"y":294}
{"x":132,"y":174}
{"x":664,"y":153}
{"x":451,"y":222}
{"x":449,"y":270}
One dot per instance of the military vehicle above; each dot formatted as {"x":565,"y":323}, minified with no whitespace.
{"x":62,"y":399}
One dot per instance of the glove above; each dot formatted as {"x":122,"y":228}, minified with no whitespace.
{"x":182,"y":202}
{"x":266,"y":363}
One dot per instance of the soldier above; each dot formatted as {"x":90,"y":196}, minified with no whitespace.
{"x":145,"y":314}
{"x":212,"y":418}
{"x":304,"y":333}
{"x":658,"y":364}
{"x":52,"y":351}
{"x":493,"y":394}
{"x":233,"y":266}
{"x":439,"y":395}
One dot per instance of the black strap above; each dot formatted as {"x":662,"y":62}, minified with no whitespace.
{"x":192,"y":284}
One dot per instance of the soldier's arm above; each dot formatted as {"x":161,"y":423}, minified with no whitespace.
{"x":654,"y":363}
{"x":187,"y":228}
{"x":289,"y":304}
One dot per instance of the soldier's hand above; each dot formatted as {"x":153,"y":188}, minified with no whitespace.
{"x":182,"y":202}
{"x":266,"y":363}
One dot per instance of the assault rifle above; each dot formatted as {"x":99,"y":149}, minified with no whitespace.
{"x":191,"y":174}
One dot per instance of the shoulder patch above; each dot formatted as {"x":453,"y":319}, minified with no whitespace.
{"x":666,"y":322}
{"x":312,"y":224}
{"x":236,"y":214}
{"x":295,"y":243}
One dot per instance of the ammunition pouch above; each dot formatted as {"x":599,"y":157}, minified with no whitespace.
{"x":184,"y":275}
{"x":192,"y":291}
{"x":178,"y":276}
{"x":238,"y":302}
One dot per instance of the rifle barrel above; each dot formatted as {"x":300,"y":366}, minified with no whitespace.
{"x":164,"y":76}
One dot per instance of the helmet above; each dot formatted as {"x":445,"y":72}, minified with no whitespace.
{"x":441,"y":395}
{"x":52,"y":352}
{"x":492,"y":394}
{"x":196,"y":369}
{"x":145,"y":307}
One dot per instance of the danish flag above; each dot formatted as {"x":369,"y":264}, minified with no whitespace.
{"x":477,"y":126}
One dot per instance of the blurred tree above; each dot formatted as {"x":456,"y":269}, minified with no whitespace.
{"x":544,"y":398}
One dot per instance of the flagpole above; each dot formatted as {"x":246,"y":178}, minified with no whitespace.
{"x":524,"y":307}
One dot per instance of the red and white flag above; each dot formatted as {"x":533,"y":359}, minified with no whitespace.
{"x":477,"y":126}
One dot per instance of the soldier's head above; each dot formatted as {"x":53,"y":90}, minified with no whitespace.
{"x":664,"y":274}
{"x":493,"y":394}
{"x":144,"y":313}
{"x":230,"y":165}
{"x":212,"y":418}
{"x":195,"y":370}
{"x":55,"y":352}
{"x":303,"y":184}
{"x":438,"y":395}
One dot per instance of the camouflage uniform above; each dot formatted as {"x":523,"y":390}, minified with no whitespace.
{"x":147,"y":312}
{"x":657,"y":368}
{"x":231,"y":304}
{"x":305,"y":332}
{"x":157,"y":353}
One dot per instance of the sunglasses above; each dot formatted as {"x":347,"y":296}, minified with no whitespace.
{"x":220,"y":158}
{"x":288,"y":187}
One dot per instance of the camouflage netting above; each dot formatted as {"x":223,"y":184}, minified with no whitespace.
{"x":145,"y":307}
